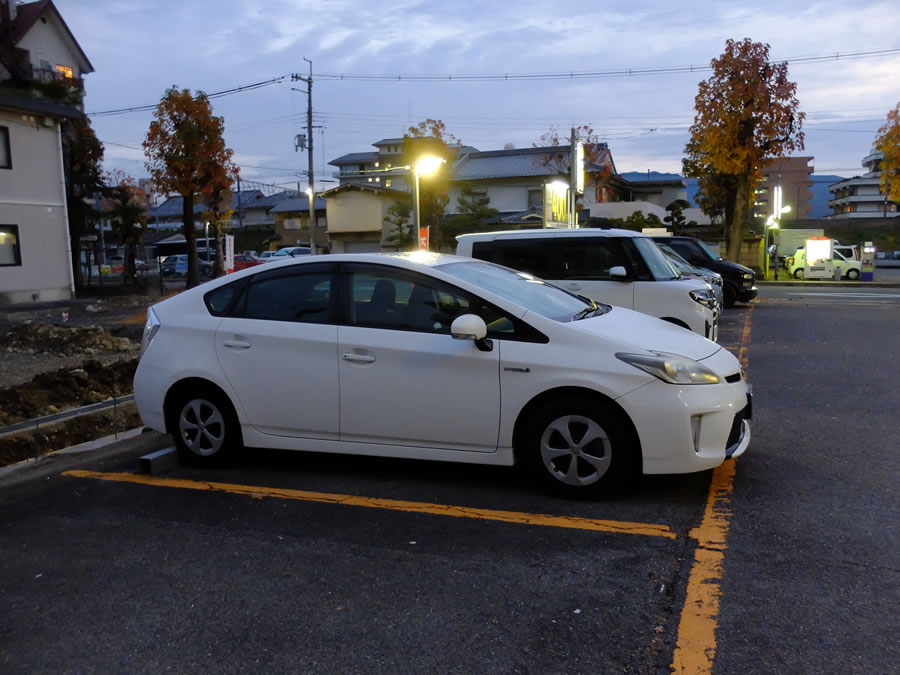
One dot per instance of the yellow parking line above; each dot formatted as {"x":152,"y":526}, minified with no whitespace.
{"x":258,"y":492}
{"x":695,"y":650}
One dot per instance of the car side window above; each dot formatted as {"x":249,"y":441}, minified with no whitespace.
{"x":398,"y":300}
{"x":395,"y":299}
{"x":301,"y":296}
{"x":590,"y":257}
{"x":532,"y":255}
{"x":687,"y":252}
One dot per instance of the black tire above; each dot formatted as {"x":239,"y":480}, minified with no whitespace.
{"x":853,"y":274}
{"x":729,"y":295}
{"x":204,"y":427}
{"x":798,"y":273}
{"x":607,"y":461}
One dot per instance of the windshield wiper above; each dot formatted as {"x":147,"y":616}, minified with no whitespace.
{"x":587,"y":311}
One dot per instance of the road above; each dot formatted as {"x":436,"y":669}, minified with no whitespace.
{"x":326,"y":563}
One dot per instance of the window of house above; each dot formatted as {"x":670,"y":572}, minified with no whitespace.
{"x":5,"y":154}
{"x":10,"y":252}
{"x":535,"y":198}
{"x":65,"y":71}
{"x":388,"y":182}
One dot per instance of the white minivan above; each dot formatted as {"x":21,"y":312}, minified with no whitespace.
{"x":615,"y":267}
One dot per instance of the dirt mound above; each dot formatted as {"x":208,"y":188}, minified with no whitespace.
{"x":41,"y":338}
{"x":66,"y":388}
{"x":27,"y":445}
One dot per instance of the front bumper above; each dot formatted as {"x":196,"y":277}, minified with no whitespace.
{"x":746,"y":294}
{"x":683,"y":429}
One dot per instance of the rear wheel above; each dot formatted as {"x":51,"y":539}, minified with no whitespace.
{"x":579,"y":448}
{"x":798,"y":273}
{"x":204,"y":427}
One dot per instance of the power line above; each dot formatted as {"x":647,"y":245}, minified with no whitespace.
{"x":217,"y":94}
{"x":596,"y":74}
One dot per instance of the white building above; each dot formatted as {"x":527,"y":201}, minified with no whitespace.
{"x":36,"y":47}
{"x":861,"y":196}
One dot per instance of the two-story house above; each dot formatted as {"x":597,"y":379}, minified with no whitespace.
{"x":36,"y":48}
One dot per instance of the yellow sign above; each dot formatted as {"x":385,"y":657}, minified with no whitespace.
{"x":556,"y":204}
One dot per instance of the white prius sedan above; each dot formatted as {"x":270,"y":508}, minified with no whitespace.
{"x":437,"y":357}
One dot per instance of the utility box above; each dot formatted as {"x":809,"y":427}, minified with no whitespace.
{"x":867,"y":273}
{"x":819,"y":263}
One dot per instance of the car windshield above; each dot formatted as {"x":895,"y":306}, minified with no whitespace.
{"x":711,"y":253}
{"x":523,"y":289}
{"x":661,"y":268}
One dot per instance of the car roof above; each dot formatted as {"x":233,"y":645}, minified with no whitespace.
{"x":551,"y":232}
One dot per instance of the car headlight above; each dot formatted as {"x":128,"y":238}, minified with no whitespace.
{"x":705,"y":297}
{"x":748,"y":275}
{"x":150,"y":329}
{"x":671,"y":368}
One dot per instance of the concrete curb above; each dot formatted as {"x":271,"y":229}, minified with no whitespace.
{"x":832,"y":284}
{"x":109,"y":447}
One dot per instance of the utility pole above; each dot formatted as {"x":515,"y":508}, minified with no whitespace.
{"x":240,"y":206}
{"x":309,"y":148}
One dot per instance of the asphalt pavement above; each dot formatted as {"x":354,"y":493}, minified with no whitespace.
{"x":321,"y":563}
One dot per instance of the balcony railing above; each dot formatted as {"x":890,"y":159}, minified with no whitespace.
{"x":44,"y":75}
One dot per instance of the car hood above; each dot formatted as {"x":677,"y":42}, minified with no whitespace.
{"x":633,"y":330}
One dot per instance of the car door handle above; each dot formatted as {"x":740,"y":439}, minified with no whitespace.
{"x":236,"y":344}
{"x":359,"y":358}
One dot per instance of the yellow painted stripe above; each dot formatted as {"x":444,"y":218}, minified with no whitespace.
{"x":259,"y":492}
{"x":695,"y":650}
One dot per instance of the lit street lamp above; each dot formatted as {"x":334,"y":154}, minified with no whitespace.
{"x":425,"y":166}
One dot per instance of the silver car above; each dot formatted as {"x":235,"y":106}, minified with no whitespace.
{"x":714,"y":279}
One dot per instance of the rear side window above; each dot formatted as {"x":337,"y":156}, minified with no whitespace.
{"x":219,"y":301}
{"x":687,"y":252}
{"x":534,"y":256}
{"x":303,"y":297}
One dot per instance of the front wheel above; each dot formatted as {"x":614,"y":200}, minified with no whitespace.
{"x":204,"y":427}
{"x":729,"y":295}
{"x":798,"y":273}
{"x":853,"y":274}
{"x":578,"y":448}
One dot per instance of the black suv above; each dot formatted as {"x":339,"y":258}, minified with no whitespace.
{"x":738,"y":282}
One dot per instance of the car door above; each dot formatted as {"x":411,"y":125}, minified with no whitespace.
{"x":278,"y":350}
{"x":403,"y":379}
{"x":584,"y":265}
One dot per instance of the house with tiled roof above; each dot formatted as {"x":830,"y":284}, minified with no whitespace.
{"x":169,"y":214}
{"x":39,"y":56}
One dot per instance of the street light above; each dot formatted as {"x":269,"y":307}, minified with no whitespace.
{"x":311,"y":219}
{"x":425,"y":166}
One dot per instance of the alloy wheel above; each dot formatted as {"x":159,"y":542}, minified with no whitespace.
{"x":575,"y":450}
{"x":202,"y":427}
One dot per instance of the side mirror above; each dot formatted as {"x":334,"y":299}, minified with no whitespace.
{"x":471,"y":327}
{"x":619,"y":273}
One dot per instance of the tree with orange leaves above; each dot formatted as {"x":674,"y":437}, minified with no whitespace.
{"x":186,"y":155}
{"x":747,"y":114}
{"x":888,"y":141}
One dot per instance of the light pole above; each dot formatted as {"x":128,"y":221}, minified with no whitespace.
{"x":312,"y":218}
{"x":424,"y":166}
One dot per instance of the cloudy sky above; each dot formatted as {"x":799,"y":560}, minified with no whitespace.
{"x":141,"y":47}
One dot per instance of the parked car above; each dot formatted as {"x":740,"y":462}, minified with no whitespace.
{"x":618,"y":267}
{"x":266,"y":256}
{"x":243,"y":261}
{"x":850,"y":269}
{"x":739,"y":282}
{"x":714,"y":279}
{"x":430,"y":356}
{"x":290,"y":251}
{"x":175,"y":265}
